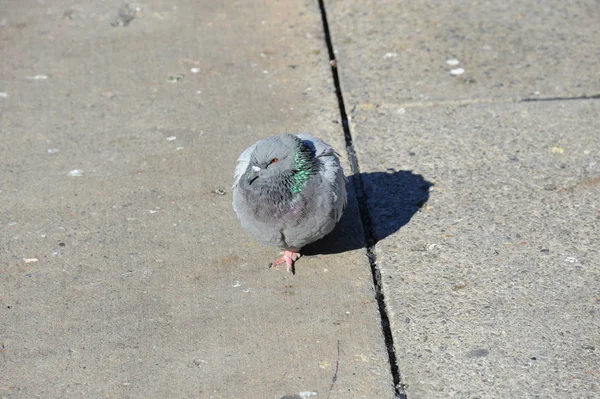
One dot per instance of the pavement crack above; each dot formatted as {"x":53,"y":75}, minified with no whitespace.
{"x":399,"y":392}
{"x":583,"y":97}
{"x":475,"y":101}
{"x":335,"y":374}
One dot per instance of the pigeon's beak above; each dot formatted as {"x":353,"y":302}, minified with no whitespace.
{"x":252,"y":174}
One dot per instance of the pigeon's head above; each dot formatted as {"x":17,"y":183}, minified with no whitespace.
{"x":282,"y":163}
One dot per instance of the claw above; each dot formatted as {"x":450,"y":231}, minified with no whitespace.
{"x":289,"y":258}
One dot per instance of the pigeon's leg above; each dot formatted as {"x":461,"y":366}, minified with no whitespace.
{"x":289,"y":257}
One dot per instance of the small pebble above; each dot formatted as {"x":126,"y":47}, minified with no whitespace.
{"x":195,"y":70}
{"x":390,"y":55}
{"x":76,"y":173}
{"x":171,"y":138}
{"x":457,"y":71}
{"x":452,"y":62}
{"x":53,"y":150}
{"x":174,"y":78}
{"x":219,"y":191}
{"x":3,"y":94}
{"x":124,"y":17}
{"x":570,"y":259}
{"x":30,"y":260}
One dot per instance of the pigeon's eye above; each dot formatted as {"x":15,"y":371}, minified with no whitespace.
{"x":274,"y":160}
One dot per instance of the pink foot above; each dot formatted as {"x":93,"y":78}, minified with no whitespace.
{"x":288,"y":258}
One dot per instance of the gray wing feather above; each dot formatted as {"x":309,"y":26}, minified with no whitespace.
{"x":332,"y":172}
{"x":328,"y":198}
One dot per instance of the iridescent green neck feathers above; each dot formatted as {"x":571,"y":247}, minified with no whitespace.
{"x":304,"y":167}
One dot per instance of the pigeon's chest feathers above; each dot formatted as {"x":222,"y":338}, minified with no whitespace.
{"x":284,"y":198}
{"x":272,"y":207}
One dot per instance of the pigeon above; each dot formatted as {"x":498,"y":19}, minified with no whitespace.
{"x":288,"y":191}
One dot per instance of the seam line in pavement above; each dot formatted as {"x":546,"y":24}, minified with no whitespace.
{"x":583,"y":97}
{"x":364,"y":215}
{"x":471,"y":101}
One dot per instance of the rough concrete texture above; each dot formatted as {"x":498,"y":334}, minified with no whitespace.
{"x":493,"y":286}
{"x":488,"y":215}
{"x":123,"y":270}
{"x":508,"y":49}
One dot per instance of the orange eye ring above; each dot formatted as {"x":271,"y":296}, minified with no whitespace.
{"x":274,"y":160}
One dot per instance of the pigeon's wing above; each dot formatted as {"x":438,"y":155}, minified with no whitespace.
{"x":318,"y":145}
{"x":332,"y":172}
{"x":324,"y":199}
{"x":242,"y":164}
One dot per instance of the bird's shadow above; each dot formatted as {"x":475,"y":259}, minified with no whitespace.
{"x":389,"y":201}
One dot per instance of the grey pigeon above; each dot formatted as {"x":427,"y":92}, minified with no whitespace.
{"x":288,"y":191}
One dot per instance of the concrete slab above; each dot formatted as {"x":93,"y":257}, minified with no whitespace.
{"x":510,"y":49}
{"x":123,"y":270}
{"x":492,"y":285}
{"x":486,"y":209}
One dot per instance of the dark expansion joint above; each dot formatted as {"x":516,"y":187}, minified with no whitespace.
{"x":364,"y":214}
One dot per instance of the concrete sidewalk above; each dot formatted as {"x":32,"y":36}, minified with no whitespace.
{"x":124,"y":272}
{"x":492,"y":288}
